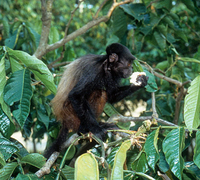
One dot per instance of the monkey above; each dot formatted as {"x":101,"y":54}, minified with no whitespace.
{"x":86,"y":85}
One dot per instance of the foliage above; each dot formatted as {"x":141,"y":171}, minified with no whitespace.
{"x":163,"y":35}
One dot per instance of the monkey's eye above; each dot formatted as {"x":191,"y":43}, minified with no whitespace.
{"x":129,"y":64}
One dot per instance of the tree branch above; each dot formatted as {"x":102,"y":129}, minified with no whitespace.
{"x":120,"y":118}
{"x":46,"y":7}
{"x":82,"y":30}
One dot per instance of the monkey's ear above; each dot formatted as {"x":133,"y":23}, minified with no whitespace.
{"x":113,"y":57}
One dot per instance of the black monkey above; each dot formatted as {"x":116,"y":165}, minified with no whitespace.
{"x":86,"y":85}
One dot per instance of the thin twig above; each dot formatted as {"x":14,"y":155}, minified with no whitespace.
{"x":152,"y":3}
{"x":61,"y":64}
{"x":178,"y":104}
{"x":71,"y":17}
{"x":178,"y":83}
{"x":100,"y":7}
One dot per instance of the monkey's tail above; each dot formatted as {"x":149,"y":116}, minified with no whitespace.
{"x":57,"y":144}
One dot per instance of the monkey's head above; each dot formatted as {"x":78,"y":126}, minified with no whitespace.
{"x":119,"y":60}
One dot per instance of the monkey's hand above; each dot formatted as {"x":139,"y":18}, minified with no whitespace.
{"x":139,"y":79}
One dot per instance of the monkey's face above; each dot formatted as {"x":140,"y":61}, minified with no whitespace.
{"x":124,"y":68}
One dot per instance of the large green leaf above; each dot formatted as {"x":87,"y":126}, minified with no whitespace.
{"x":196,"y":156}
{"x":117,"y":171}
{"x":15,"y":65}
{"x":160,"y":39}
{"x":34,"y":159}
{"x":151,"y":85}
{"x":189,"y":4}
{"x":86,"y":167}
{"x":6,"y":126}
{"x":7,"y":170}
{"x":140,"y":164}
{"x":4,"y":106}
{"x":36,"y":66}
{"x":29,"y":177}
{"x":18,"y":88}
{"x":119,"y":26}
{"x":151,"y":148}
{"x":53,"y":35}
{"x":68,"y":172}
{"x":2,"y":160}
{"x":192,"y":105}
{"x":173,"y":145}
{"x":6,"y":27}
{"x":7,"y":148}
{"x":136,"y":10}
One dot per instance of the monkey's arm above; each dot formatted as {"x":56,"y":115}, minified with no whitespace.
{"x":124,"y":91}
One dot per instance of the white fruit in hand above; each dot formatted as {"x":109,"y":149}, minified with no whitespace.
{"x":134,"y":77}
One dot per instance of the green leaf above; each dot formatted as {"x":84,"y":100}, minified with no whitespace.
{"x":34,"y":159}
{"x":7,"y":127}
{"x":117,"y":171}
{"x":164,"y":4}
{"x":4,"y":106}
{"x":182,"y":35}
{"x":110,"y":110}
{"x":137,"y":67}
{"x":2,"y":160}
{"x":136,"y":10}
{"x":192,"y":105}
{"x":53,"y":35}
{"x":7,"y":148}
{"x":6,"y":27}
{"x":160,"y":39}
{"x":192,"y":167}
{"x":14,"y":88}
{"x":7,"y":170}
{"x":119,"y":25}
{"x":22,"y":150}
{"x":162,"y":65}
{"x":189,"y":4}
{"x":151,"y":86}
{"x":162,"y":29}
{"x":42,"y":117}
{"x":111,"y":156}
{"x":169,"y":21}
{"x":173,"y":145}
{"x":28,"y":177}
{"x":174,"y":16}
{"x":146,"y":30}
{"x":68,"y":172}
{"x":36,"y":66}
{"x":10,"y":41}
{"x":33,"y":36}
{"x":86,"y":167}
{"x":196,"y":156}
{"x":187,"y":59}
{"x":151,"y":148}
{"x":163,"y":166}
{"x":140,"y":164}
{"x":15,"y":65}
{"x":18,"y":88}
